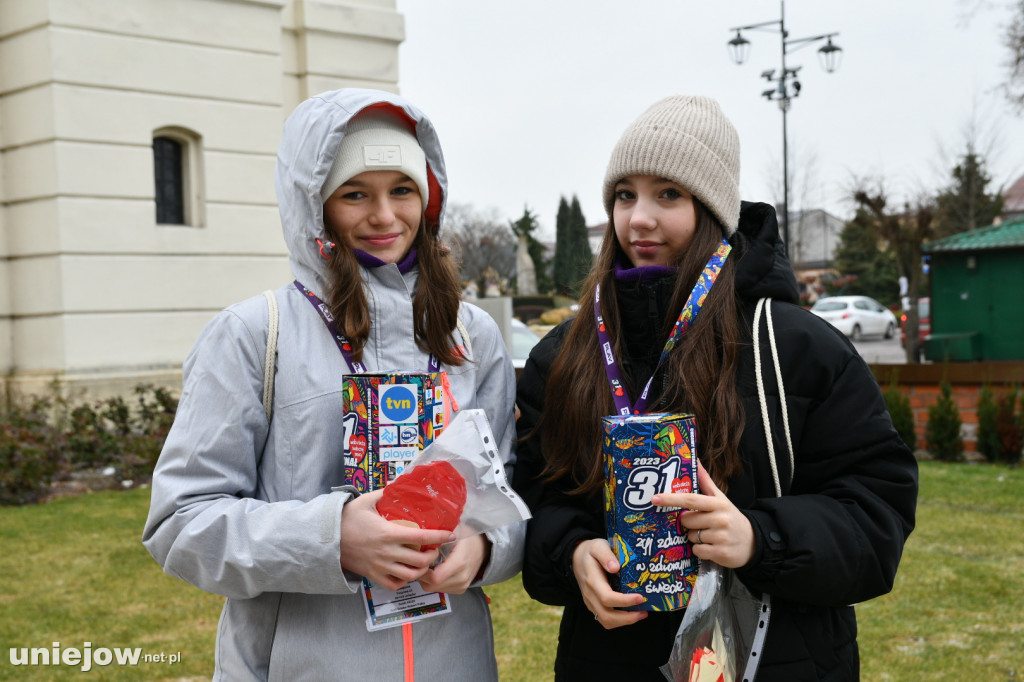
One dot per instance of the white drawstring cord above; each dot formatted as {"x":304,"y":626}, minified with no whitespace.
{"x":270,"y":361}
{"x":760,"y":395}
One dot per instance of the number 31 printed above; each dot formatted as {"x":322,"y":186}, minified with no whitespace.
{"x":646,"y":482}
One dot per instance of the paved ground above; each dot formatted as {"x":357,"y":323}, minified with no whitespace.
{"x":877,"y":350}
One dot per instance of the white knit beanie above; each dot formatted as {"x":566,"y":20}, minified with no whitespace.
{"x":686,"y":139}
{"x":377,"y":141}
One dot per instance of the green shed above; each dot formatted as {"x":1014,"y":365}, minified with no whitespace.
{"x":977,"y":294}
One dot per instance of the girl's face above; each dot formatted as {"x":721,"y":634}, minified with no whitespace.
{"x":377,"y":212}
{"x":655,"y":219}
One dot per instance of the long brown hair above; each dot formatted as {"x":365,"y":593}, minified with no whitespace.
{"x":699,"y":375}
{"x":435,"y":306}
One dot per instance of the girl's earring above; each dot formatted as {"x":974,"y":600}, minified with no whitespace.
{"x":326,"y":248}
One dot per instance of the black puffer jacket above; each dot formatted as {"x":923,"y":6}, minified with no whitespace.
{"x":834,"y":538}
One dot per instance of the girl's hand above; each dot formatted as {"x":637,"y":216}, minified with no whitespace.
{"x":592,"y":561}
{"x":720,"y":532}
{"x":460,"y":568}
{"x":387,"y":553}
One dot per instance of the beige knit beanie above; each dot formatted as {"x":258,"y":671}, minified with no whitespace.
{"x":377,"y":141}
{"x":686,"y":139}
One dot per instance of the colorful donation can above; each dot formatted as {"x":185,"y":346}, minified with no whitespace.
{"x":389,"y":418}
{"x":645,"y":455}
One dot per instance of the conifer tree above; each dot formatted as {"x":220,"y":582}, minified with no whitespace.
{"x":943,"y":429}
{"x":581,"y":258}
{"x":966,"y":204}
{"x":1008,"y":425}
{"x":904,"y":233}
{"x":563,"y":249}
{"x":898,"y":405}
{"x":865,"y":268}
{"x":526,"y":226}
{"x":988,"y":435}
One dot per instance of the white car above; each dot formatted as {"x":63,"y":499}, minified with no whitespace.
{"x":523,"y":339}
{"x":856,"y":316}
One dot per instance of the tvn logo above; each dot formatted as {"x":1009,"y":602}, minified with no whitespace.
{"x":386,"y":155}
{"x":608,"y":357}
{"x":398,"y":404}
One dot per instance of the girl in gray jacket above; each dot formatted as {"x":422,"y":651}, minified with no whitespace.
{"x":252,"y":506}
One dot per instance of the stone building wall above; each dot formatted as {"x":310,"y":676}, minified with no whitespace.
{"x":93,"y":290}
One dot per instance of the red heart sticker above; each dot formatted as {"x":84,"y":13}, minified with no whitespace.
{"x":682,"y":485}
{"x":357,"y":448}
{"x":618,"y":391}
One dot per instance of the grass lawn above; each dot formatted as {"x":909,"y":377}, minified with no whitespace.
{"x":956,"y":611}
{"x":73,"y":571}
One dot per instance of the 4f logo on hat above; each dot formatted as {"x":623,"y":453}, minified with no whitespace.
{"x":382,"y":155}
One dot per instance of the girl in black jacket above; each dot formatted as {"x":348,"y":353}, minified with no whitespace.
{"x":848,"y":492}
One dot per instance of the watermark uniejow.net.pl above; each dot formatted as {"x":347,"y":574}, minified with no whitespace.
{"x":87,"y":658}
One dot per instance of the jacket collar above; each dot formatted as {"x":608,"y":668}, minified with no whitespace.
{"x":370,"y":261}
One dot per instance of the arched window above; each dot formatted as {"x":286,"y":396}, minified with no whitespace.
{"x":170,"y":183}
{"x":177,"y":177}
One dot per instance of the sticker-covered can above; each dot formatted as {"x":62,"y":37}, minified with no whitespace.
{"x":645,"y":455}
{"x":388,"y":418}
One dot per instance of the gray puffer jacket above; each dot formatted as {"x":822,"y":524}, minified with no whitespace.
{"x":248,"y":509}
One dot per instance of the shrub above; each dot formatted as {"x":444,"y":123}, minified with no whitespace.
{"x":47,"y":438}
{"x":156,"y":412}
{"x":902,"y":416}
{"x":1020,"y":416}
{"x":1009,"y":428}
{"x":147,"y":428}
{"x":30,"y":451}
{"x":556,"y":315}
{"x":988,"y":436}
{"x":90,"y":443}
{"x":943,"y":430}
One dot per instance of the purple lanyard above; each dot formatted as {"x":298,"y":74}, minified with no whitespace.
{"x":343,"y":343}
{"x":686,"y":317}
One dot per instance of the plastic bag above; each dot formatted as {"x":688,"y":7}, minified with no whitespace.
{"x":468,"y":447}
{"x":722,"y":633}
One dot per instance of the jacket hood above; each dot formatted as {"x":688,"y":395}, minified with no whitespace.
{"x":764,"y":268}
{"x":310,"y":141}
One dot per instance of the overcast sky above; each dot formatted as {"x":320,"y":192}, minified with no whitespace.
{"x":530,"y":96}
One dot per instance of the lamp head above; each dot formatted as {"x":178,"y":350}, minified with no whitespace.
{"x":830,"y":56}
{"x":739,"y":48}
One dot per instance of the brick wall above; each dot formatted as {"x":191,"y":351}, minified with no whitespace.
{"x":920,"y":383}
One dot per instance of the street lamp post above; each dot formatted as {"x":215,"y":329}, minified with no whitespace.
{"x":787,"y":86}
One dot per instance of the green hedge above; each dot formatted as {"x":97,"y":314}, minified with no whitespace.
{"x":46,"y":439}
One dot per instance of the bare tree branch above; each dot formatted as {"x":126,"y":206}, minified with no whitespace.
{"x":482,"y":243}
{"x":905,"y":233}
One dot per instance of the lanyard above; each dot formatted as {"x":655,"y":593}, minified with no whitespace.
{"x":343,"y":343}
{"x":686,"y":317}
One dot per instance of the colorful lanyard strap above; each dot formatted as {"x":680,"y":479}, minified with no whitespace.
{"x":343,"y":343}
{"x":686,"y":317}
